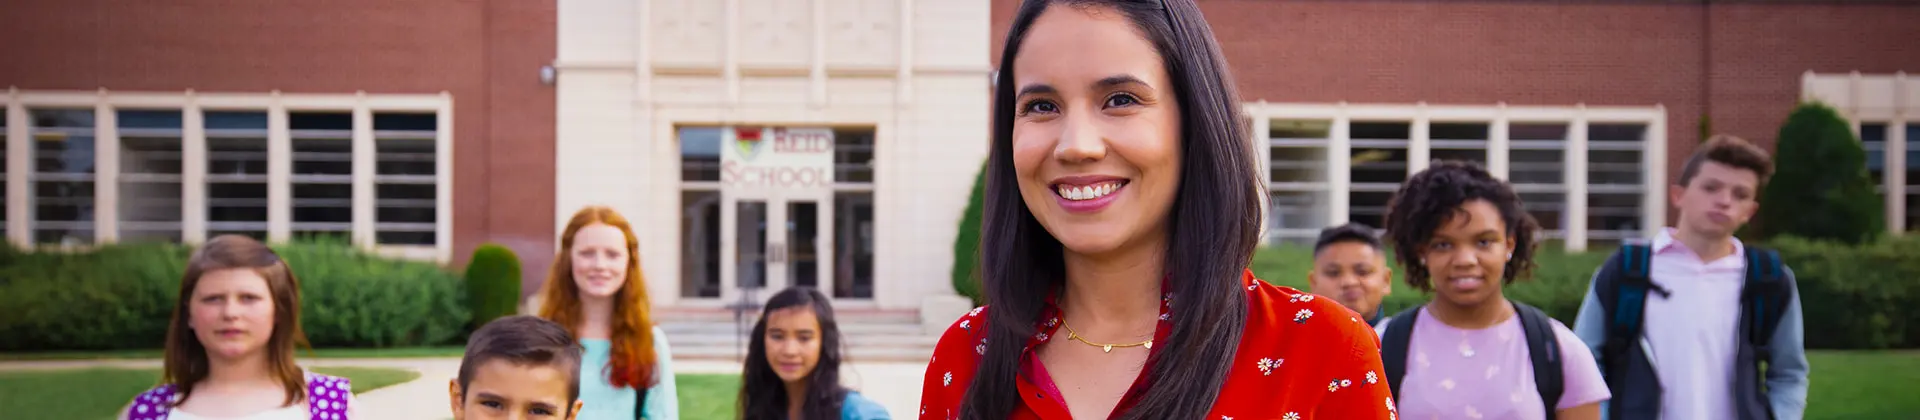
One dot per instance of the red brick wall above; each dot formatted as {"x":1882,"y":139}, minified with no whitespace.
{"x":1745,"y":60}
{"x":486,"y":53}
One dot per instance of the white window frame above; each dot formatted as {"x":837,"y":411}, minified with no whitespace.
{"x":193,"y":106}
{"x":1498,"y":117}
{"x":1889,"y":99}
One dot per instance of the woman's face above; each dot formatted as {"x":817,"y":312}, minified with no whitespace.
{"x":1467,"y":256}
{"x":231,"y":313}
{"x":1096,"y":132}
{"x":793,"y":342}
{"x":599,"y":259}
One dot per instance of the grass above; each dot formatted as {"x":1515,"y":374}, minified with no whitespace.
{"x":1863,"y":384}
{"x":331,"y":353}
{"x":99,"y":393}
{"x":708,"y":396}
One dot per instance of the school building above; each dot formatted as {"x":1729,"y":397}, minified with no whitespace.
{"x":833,"y":142}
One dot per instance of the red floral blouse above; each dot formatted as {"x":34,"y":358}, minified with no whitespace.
{"x":1301,"y":357}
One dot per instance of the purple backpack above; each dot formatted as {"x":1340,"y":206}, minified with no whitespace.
{"x":326,"y":399}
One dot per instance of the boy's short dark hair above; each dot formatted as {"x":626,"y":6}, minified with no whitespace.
{"x":1731,"y":151}
{"x":523,"y":340}
{"x":1351,"y":232}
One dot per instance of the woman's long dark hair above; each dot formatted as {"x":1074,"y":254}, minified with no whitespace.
{"x":1214,"y":225}
{"x":763,"y":395}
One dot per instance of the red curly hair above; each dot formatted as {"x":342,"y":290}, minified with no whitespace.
{"x":632,"y":360}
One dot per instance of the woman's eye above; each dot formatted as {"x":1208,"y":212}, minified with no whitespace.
{"x":1039,"y":106}
{"x":1122,"y":100}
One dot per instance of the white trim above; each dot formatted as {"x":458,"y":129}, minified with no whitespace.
{"x":1262,"y":139}
{"x":1576,"y":182}
{"x":363,"y":176}
{"x":1653,"y":157}
{"x":19,"y":167}
{"x":1339,"y":166}
{"x":193,"y":172}
{"x":106,"y":171}
{"x":279,"y":173}
{"x":1419,"y":141}
{"x":1499,"y":157}
{"x":444,"y":179}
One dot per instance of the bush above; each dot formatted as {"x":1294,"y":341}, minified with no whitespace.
{"x":122,"y":297}
{"x":1857,"y":297}
{"x":493,"y":283}
{"x":966,"y":245}
{"x":1820,"y":188}
{"x":1851,"y":297}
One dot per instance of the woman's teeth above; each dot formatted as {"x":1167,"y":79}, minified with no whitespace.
{"x":1087,"y":192}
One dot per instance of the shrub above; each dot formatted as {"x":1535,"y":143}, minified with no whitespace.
{"x":1851,"y":297}
{"x":1820,"y":188}
{"x":493,"y":283}
{"x":966,"y":245}
{"x":122,"y":297}
{"x":1857,"y":297}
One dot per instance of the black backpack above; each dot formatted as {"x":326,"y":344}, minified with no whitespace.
{"x":1543,"y":346}
{"x":1763,"y":300}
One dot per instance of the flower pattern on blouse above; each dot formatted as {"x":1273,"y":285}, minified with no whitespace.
{"x":1318,"y":351}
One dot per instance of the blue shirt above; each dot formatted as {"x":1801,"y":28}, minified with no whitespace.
{"x":603,"y":401}
{"x":858,"y":407}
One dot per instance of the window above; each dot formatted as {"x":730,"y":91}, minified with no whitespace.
{"x":699,"y":211}
{"x":236,"y":173}
{"x":150,"y":175}
{"x":63,"y":174}
{"x":322,"y":177}
{"x":1913,"y":176}
{"x":1536,"y":168}
{"x":1458,"y":141}
{"x":406,"y":182}
{"x":1378,"y":165}
{"x":853,"y":151}
{"x":1297,"y":179}
{"x":1615,"y":168}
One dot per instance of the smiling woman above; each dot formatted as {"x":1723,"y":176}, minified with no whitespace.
{"x":1120,"y":216}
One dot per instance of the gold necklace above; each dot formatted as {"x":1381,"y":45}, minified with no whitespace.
{"x":1107,"y":347}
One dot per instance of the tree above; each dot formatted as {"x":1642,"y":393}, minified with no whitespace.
{"x":966,"y":245}
{"x":1820,"y":187}
{"x":493,"y":283}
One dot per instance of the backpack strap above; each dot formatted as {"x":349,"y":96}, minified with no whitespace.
{"x":1623,"y":297}
{"x":1764,"y":300}
{"x":1543,"y":347}
{"x":640,"y":402}
{"x":327,"y":396}
{"x":155,"y":404}
{"x":1393,"y":346}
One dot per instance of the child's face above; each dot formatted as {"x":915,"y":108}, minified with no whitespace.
{"x":793,"y":342}
{"x":232,"y":313}
{"x":1352,"y":273}
{"x":501,"y":389}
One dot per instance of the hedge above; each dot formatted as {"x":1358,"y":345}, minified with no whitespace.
{"x":121,"y":297}
{"x":1820,"y":188}
{"x":1852,"y":297}
{"x":966,"y":244}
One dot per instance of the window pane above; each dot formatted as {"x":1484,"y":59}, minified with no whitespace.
{"x":1457,"y":131}
{"x":236,"y":157}
{"x":231,"y":120}
{"x":405,"y":214}
{"x":1614,"y":167}
{"x":1298,"y":129}
{"x":853,"y":245}
{"x":1369,"y":208}
{"x":1613,"y":215}
{"x":162,"y":119}
{"x":1873,"y":137}
{"x":853,"y":156}
{"x":700,"y":153}
{"x":1616,"y":133}
{"x":1536,"y":167}
{"x":63,"y":147}
{"x":1297,"y":216}
{"x":406,"y":192}
{"x":1549,"y":209}
{"x":1298,"y":165}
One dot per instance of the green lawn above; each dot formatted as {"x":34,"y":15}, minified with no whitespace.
{"x":1864,"y":384}
{"x":100,"y":393}
{"x":708,"y":396}
{"x":330,"y":353}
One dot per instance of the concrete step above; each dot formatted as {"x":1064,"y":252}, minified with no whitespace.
{"x":851,"y":329}
{"x":725,"y":352}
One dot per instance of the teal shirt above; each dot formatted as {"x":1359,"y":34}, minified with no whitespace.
{"x":858,"y":407}
{"x":605,"y":402}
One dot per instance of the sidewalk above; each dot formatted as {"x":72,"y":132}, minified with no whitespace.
{"x":895,"y":385}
